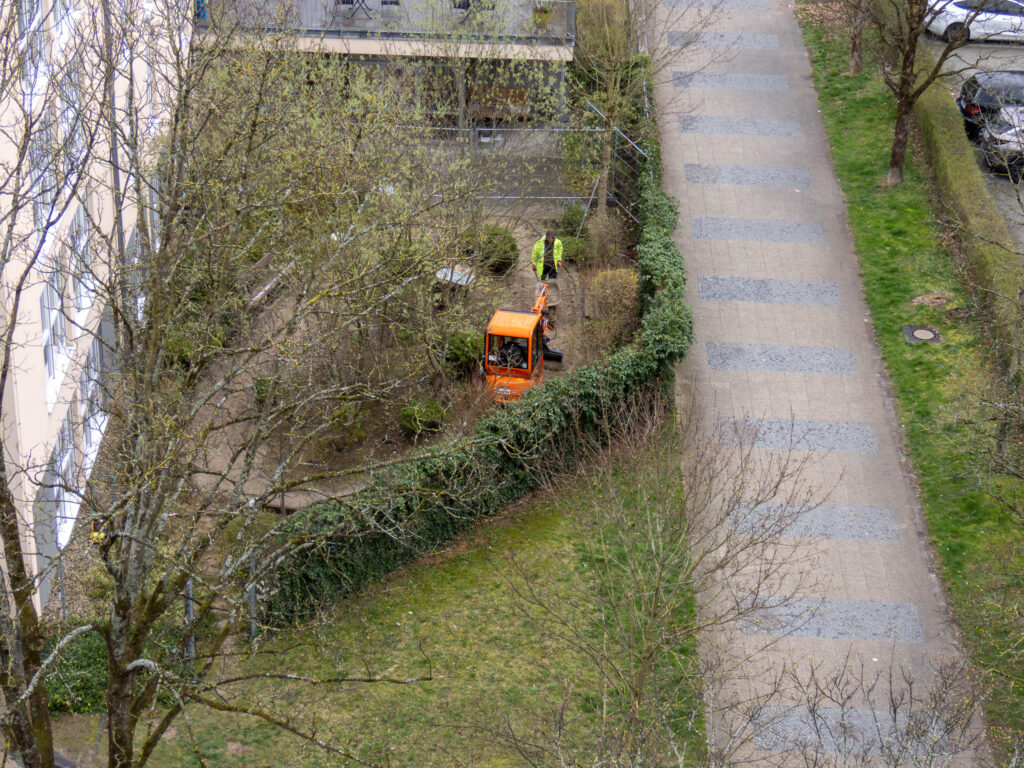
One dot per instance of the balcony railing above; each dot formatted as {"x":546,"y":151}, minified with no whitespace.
{"x":455,"y":22}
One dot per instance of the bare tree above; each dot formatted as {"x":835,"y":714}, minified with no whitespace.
{"x":895,"y":30}
{"x":612,"y":35}
{"x":658,"y":609}
{"x":263,"y":269}
{"x":39,"y":187}
{"x":857,"y":716}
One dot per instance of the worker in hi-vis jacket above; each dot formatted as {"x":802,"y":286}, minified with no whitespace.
{"x":547,"y":256}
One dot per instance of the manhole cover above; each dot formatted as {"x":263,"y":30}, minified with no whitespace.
{"x":920,"y":333}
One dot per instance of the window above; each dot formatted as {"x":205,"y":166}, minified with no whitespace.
{"x":44,"y":178}
{"x":92,"y":401}
{"x":30,"y":29}
{"x":153,"y":220}
{"x":62,"y":470}
{"x":538,"y":343}
{"x":1009,"y":8}
{"x":72,"y":126}
{"x":54,"y":328}
{"x":83,"y":287}
{"x":61,"y":8}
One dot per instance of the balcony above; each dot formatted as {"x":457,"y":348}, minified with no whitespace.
{"x":531,"y":29}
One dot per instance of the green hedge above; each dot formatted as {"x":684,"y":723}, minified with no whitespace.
{"x":345,"y":545}
{"x":982,"y":230}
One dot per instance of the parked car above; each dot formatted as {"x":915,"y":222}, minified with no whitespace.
{"x":977,"y":19}
{"x":984,"y":94}
{"x":992,"y":105}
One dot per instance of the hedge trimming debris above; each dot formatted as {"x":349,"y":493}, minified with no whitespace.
{"x":343,"y":545}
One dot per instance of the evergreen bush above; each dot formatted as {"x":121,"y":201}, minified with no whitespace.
{"x":575,"y":250}
{"x":421,"y":416}
{"x":464,"y":351}
{"x":571,"y":221}
{"x":491,"y":246}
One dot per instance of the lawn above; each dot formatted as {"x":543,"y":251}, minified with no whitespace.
{"x":904,"y":255}
{"x":473,"y":622}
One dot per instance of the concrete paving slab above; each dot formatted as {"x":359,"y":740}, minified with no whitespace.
{"x":738,"y":81}
{"x":827,"y":521}
{"x":748,"y":175}
{"x":730,"y":125}
{"x":762,"y":291}
{"x":852,"y":619}
{"x":781,"y":357}
{"x":795,"y":435}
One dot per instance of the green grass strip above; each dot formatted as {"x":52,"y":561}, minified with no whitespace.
{"x":471,"y":616}
{"x":902,"y":256}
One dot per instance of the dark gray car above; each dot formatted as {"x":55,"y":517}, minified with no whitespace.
{"x":992,"y":105}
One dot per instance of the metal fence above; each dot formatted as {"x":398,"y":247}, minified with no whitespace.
{"x":551,"y":163}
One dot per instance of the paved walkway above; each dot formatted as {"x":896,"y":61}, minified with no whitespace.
{"x":785,"y":353}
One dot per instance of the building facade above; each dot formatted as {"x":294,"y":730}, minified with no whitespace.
{"x":81,"y":103}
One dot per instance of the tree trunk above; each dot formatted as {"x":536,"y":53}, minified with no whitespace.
{"x":611,"y":111}
{"x":29,"y":728}
{"x":605,"y":169}
{"x":120,"y":721}
{"x":856,"y":53}
{"x":900,"y":139}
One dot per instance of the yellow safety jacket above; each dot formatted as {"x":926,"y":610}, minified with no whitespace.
{"x":538,"y":255}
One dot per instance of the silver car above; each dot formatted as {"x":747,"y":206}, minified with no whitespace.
{"x":1002,"y":140}
{"x":977,"y":20}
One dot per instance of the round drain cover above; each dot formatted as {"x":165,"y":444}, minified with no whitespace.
{"x":924,"y":334}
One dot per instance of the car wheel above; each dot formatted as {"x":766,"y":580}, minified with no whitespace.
{"x":956,"y":32}
{"x":973,"y":131}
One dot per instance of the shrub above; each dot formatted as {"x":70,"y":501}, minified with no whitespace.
{"x":571,"y":221}
{"x":464,"y":351}
{"x":575,"y":250}
{"x":421,"y":416}
{"x":98,"y":582}
{"x":188,"y":343}
{"x":607,"y":237}
{"x":262,"y":387}
{"x":77,"y":681}
{"x":348,"y":425}
{"x":612,"y":301}
{"x":492,"y":247}
{"x":986,"y":242}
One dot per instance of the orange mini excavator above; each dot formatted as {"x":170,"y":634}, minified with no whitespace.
{"x":516,"y":348}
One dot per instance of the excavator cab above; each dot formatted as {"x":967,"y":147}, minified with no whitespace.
{"x":514,"y":354}
{"x":516,"y":348}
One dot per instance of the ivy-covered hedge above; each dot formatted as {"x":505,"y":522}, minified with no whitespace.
{"x":427,"y":501}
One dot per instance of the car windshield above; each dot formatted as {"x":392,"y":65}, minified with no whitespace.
{"x":996,"y":88}
{"x":975,"y":5}
{"x":1008,"y":93}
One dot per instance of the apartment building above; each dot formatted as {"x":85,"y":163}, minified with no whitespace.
{"x":469,"y":60}
{"x":80,"y":83}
